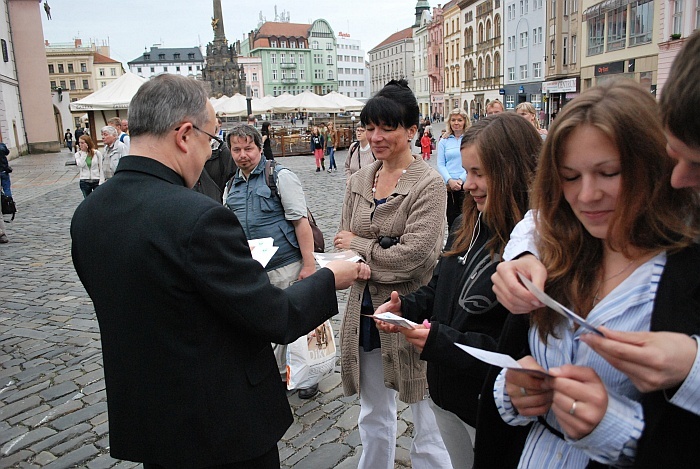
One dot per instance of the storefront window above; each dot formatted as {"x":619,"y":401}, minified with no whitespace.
{"x":617,"y":28}
{"x":642,"y":24}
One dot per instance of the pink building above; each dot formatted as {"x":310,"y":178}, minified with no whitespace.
{"x":436,"y":63}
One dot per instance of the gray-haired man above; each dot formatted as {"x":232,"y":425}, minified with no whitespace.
{"x":113,"y":150}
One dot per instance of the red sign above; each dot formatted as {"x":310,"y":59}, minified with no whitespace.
{"x":344,"y":34}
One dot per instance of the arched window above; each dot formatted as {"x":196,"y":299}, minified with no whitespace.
{"x":488,"y":67}
{"x":470,"y":36}
{"x":458,"y":84}
{"x":467,"y":71}
{"x":480,"y":71}
{"x":497,"y":26}
{"x":497,"y":65}
{"x":481,"y":32}
{"x":471,"y":69}
{"x":488,"y":30}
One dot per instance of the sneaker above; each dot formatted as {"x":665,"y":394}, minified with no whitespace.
{"x":3,"y":239}
{"x":308,"y":393}
{"x":330,"y":170}
{"x":318,"y":170}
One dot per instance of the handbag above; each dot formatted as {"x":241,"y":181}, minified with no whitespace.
{"x":311,"y":357}
{"x":8,"y":205}
{"x":319,"y":242}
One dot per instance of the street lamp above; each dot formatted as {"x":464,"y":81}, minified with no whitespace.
{"x":352,"y":119}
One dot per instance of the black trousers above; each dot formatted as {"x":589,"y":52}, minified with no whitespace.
{"x":454,"y":206}
{"x":269,"y":460}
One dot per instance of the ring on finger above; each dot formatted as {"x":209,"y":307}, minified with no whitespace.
{"x":523,"y":391}
{"x":573,"y":408}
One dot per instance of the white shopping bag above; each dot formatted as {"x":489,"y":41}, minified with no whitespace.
{"x":311,"y":357}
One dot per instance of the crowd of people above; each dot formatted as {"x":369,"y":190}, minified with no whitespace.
{"x":602,"y":213}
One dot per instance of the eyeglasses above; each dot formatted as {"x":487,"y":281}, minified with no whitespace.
{"x":214,"y":137}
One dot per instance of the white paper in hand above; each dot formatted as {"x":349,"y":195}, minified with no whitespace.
{"x":324,"y":258}
{"x":500,"y":360}
{"x":262,"y":250}
{"x":392,"y":318}
{"x":556,"y":306}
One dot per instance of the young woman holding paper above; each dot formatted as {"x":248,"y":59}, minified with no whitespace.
{"x":606,"y":219}
{"x":498,"y":152}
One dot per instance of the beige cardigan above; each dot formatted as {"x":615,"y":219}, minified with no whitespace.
{"x":415,"y":212}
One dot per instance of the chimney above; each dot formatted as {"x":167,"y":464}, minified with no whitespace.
{"x":78,"y":42}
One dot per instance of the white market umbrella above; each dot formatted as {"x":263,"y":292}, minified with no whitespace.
{"x":116,"y":95}
{"x":345,"y":103}
{"x":306,"y":102}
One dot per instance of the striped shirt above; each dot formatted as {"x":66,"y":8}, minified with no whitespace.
{"x":614,"y":440}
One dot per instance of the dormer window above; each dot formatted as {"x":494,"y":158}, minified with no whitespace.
{"x":190,"y":55}
{"x":161,"y":56}
{"x":146,"y":56}
{"x":273,"y":43}
{"x":177,"y":57}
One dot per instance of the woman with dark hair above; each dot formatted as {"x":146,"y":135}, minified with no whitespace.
{"x":267,"y":143}
{"x":89,"y":162}
{"x":498,"y":152}
{"x":393,"y":216}
{"x":607,"y":220}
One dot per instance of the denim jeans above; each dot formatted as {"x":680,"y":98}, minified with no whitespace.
{"x":88,"y":185}
{"x":331,"y":156}
{"x":5,"y":180}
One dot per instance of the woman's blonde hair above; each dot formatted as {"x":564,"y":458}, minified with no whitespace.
{"x":527,"y":106}
{"x":454,"y":112}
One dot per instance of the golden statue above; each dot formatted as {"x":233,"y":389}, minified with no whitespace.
{"x":214,"y":23}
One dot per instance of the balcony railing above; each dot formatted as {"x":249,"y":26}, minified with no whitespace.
{"x":289,"y":81}
{"x":288,"y":65}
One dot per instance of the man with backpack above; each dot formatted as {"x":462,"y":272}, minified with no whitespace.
{"x":268,"y":200}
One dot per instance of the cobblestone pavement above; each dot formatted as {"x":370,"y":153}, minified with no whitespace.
{"x":53,"y":410}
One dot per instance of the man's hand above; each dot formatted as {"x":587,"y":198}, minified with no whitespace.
{"x":307,"y":270}
{"x":347,"y":272}
{"x":652,"y":360}
{"x":510,"y":292}
{"x":528,"y":393}
{"x":580,"y":399}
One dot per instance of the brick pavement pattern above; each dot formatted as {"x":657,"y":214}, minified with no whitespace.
{"x":53,"y":408}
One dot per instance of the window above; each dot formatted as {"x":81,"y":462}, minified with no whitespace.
{"x":273,"y":43}
{"x":292,"y":44}
{"x":511,"y":73}
{"x":522,"y":7}
{"x":273,"y":58}
{"x":565,"y":8}
{"x":113,"y":72}
{"x":283,"y":43}
{"x":255,"y":76}
{"x":60,"y":68}
{"x":642,"y":22}
{"x":574,"y":52}
{"x":274,"y":74}
{"x":329,"y":60}
{"x":51,"y":69}
{"x":617,"y":28}
{"x":86,"y":85}
{"x":301,"y":59}
{"x":677,"y":17}
{"x":534,"y":36}
{"x":314,"y":45}
{"x":523,"y":39}
{"x":72,"y":85}
{"x":318,"y":59}
{"x":565,"y":50}
{"x":102,"y":72}
{"x":199,"y":67}
{"x":189,"y":68}
{"x":177,"y":68}
{"x":523,"y":72}
{"x":283,"y":58}
{"x":330,"y":74}
{"x":596,"y":35}
{"x":537,"y":70}
{"x":554,"y":9}
{"x":176,"y":56}
{"x":63,"y":84}
{"x":153,"y":70}
{"x":301,"y":74}
{"x":510,"y":101}
{"x":190,"y":55}
{"x":70,"y":68}
{"x":161,"y":56}
{"x":83,"y":67}
{"x":539,"y":35}
{"x":103,"y":84}
{"x":53,"y":84}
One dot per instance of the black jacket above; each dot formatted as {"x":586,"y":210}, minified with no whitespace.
{"x":462,"y":307}
{"x":186,"y":320}
{"x":218,"y":169}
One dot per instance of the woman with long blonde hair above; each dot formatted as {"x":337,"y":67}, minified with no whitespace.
{"x":449,"y":162}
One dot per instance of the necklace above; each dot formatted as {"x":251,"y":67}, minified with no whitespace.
{"x":596,"y":298}
{"x":376,"y":176}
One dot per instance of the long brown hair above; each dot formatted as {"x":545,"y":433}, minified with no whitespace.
{"x":507,"y":146}
{"x":90,"y":144}
{"x":649,"y":217}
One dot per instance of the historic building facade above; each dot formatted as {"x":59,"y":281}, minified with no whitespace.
{"x":185,"y":61}
{"x":222,"y":72}
{"x":436,"y":64}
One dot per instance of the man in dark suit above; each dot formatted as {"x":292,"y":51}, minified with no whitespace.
{"x":186,"y":315}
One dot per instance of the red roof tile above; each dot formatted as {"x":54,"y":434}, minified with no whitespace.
{"x":404,"y":34}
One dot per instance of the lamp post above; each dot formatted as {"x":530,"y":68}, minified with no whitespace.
{"x":352,"y":119}
{"x":249,"y":100}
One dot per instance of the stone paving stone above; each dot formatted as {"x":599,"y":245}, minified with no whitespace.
{"x":298,"y":455}
{"x":28,"y":414}
{"x":329,"y":436}
{"x":73,"y":458}
{"x":71,"y":444}
{"x":21,"y":394}
{"x":312,"y":432}
{"x":91,"y":377}
{"x":11,"y":460}
{"x":44,"y":458}
{"x":12,"y":433}
{"x":26,"y":440}
{"x":79,"y":416}
{"x":60,"y":437}
{"x":325,"y":457}
{"x":19,"y":407}
{"x":103,"y":462}
{"x":349,"y":419}
{"x":59,"y":390}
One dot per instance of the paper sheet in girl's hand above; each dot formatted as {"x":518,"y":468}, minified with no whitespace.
{"x":500,"y":360}
{"x":556,"y":306}
{"x":392,"y":318}
{"x":324,"y":258}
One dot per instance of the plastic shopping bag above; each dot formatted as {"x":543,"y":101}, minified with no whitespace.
{"x":311,"y":357}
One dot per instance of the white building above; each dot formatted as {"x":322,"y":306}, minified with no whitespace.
{"x":392,"y":59}
{"x":253,"y":69}
{"x":353,"y":72}
{"x":525,"y":35}
{"x":420,"y":57}
{"x":185,"y":61}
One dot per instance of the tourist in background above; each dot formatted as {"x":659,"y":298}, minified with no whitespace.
{"x":449,"y":162}
{"x":529,"y":113}
{"x":90,"y":164}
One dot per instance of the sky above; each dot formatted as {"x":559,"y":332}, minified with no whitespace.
{"x":130,"y":26}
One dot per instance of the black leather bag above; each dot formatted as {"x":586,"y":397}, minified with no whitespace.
{"x":8,"y":205}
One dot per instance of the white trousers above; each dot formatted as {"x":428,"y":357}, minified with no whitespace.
{"x":455,"y":434}
{"x":377,"y":423}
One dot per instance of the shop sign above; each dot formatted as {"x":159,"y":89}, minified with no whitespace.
{"x":610,"y":68}
{"x":559,"y":86}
